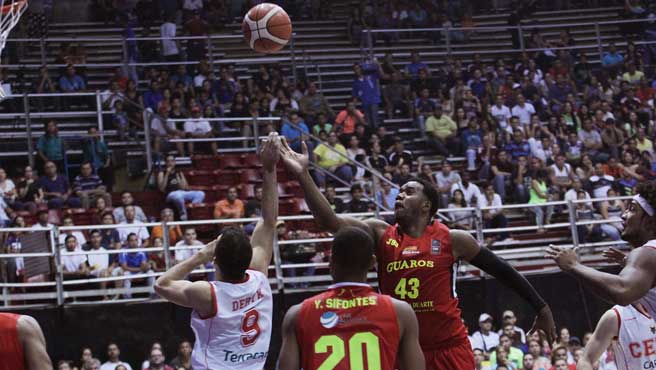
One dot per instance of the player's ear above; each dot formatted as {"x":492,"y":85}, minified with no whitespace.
{"x":373,"y":262}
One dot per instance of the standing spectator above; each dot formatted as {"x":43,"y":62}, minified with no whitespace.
{"x":314,"y":103}
{"x":88,"y":187}
{"x":133,"y":263}
{"x":169,"y":46}
{"x":135,"y":227}
{"x":493,"y":218}
{"x":357,"y":203}
{"x":445,"y":179}
{"x":442,"y":133}
{"x":198,"y":128}
{"x":366,"y":88}
{"x":347,"y":119}
{"x":183,"y":359}
{"x":174,"y":184}
{"x":396,"y":95}
{"x":539,"y":194}
{"x":196,"y":26}
{"x":56,"y":189}
{"x":175,"y":233}
{"x":128,"y":200}
{"x":485,"y":339}
{"x":75,"y":266}
{"x":95,"y":151}
{"x":334,"y":158}
{"x":50,"y":146}
{"x":523,"y":111}
{"x":231,"y":207}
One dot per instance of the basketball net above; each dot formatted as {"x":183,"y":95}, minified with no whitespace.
{"x":10,"y":13}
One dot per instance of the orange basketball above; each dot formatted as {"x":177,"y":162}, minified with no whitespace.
{"x":267,"y":28}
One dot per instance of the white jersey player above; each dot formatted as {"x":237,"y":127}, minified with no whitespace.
{"x":635,"y":347}
{"x":232,"y":316}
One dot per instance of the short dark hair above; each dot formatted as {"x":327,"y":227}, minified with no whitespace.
{"x":233,"y":253}
{"x":69,"y":237}
{"x":356,"y":187}
{"x":430,"y":191}
{"x":131,"y":235}
{"x":352,"y":249}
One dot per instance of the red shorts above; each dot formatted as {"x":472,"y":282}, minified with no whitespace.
{"x":457,"y":357}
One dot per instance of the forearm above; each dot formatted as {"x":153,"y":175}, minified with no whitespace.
{"x":270,"y":198}
{"x":319,"y":206}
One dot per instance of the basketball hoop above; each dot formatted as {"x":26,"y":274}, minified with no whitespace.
{"x":10,"y":13}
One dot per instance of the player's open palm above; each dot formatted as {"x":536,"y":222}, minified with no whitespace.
{"x":614,"y":255}
{"x":544,"y":321}
{"x":269,"y":151}
{"x":296,"y":163}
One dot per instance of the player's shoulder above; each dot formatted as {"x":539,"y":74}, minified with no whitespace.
{"x":402,"y":308}
{"x":291,"y":317}
{"x":27,"y":326}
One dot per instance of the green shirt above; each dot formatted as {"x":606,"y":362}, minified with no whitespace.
{"x":327,"y":156}
{"x":442,"y":127}
{"x":534,"y":198}
{"x":316,"y":129}
{"x":51,"y":146}
{"x":516,"y":356}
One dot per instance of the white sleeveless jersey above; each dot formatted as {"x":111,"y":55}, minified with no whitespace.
{"x":649,"y":300}
{"x":237,"y":335}
{"x":636,"y":345}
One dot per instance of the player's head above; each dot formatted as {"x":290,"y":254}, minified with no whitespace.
{"x":639,"y":218}
{"x":233,"y":254}
{"x":417,"y":199}
{"x":352,"y":255}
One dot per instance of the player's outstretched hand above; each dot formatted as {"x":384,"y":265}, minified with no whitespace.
{"x":544,"y":321}
{"x":295,"y":162}
{"x":269,"y":152}
{"x":207,"y":253}
{"x":565,"y":258}
{"x":614,"y":255}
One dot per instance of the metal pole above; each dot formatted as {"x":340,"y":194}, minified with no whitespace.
{"x":572,"y":223}
{"x":165,"y":241}
{"x":520,"y":32}
{"x":319,"y":74}
{"x":210,"y":54}
{"x":59,"y":274}
{"x":42,"y":51}
{"x":370,"y":44}
{"x":305,"y":63}
{"x":99,"y":115}
{"x":600,"y":49}
{"x":374,"y":189}
{"x":448,"y":40}
{"x":292,"y":49}
{"x":126,"y":61}
{"x":147,"y":117}
{"x":256,"y":134}
{"x":277,"y":261}
{"x":479,"y":225}
{"x":28,"y":124}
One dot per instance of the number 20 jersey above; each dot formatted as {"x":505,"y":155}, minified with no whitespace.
{"x":348,"y":327}
{"x":237,"y":334}
{"x":422,"y":272}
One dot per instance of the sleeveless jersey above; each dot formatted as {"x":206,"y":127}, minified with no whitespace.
{"x":11,"y":350}
{"x":422,"y":272}
{"x":649,"y":300}
{"x":347,"y":326}
{"x":237,"y":334}
{"x":636,"y":345}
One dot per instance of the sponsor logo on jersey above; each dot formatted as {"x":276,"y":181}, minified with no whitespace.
{"x":393,"y":242}
{"x":329,"y":319}
{"x":410,"y":251}
{"x":237,"y":358}
{"x":436,"y":247}
{"x":411,"y":264}
{"x":646,"y":348}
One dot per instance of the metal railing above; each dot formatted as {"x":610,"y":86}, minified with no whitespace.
{"x":56,"y":289}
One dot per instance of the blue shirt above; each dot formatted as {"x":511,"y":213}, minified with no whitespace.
{"x":612,"y":59}
{"x":390,"y":198}
{"x":71,"y":84}
{"x":152,"y":99}
{"x":58,"y":185}
{"x":471,"y":138}
{"x":516,"y":150}
{"x":367,"y":88}
{"x":414,"y":68}
{"x":132,"y":259}
{"x":291,"y":132}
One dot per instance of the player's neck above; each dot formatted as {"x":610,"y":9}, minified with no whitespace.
{"x":350,"y":278}
{"x":415,"y":228}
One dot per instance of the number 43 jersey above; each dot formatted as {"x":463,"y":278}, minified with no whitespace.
{"x":237,"y":334}
{"x":422,"y":272}
{"x":348,"y":327}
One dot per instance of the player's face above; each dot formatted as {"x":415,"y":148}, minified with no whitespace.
{"x":410,"y":201}
{"x":634,"y":223}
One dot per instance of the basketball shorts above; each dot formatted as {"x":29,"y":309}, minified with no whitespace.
{"x":457,"y":357}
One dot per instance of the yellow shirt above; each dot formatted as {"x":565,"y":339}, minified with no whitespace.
{"x":633,"y":78}
{"x":645,"y":146}
{"x":328,"y":157}
{"x":442,"y":127}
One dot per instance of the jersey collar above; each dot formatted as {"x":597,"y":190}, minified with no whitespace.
{"x":349,"y":283}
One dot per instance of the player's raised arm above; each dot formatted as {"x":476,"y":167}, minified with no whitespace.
{"x":34,"y":344}
{"x":410,"y":356}
{"x":298,"y":164}
{"x":600,"y":340}
{"x":173,"y":287}
{"x":262,"y":240}
{"x":466,"y":247}
{"x":290,"y":354}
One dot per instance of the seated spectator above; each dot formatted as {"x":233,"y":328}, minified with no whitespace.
{"x":485,"y":339}
{"x":88,"y":186}
{"x":198,"y":128}
{"x":73,"y":265}
{"x":424,"y":106}
{"x":399,"y":155}
{"x":599,"y":183}
{"x":71,"y":82}
{"x":95,"y":151}
{"x":128,"y":200}
{"x":572,"y":192}
{"x":110,"y":236}
{"x":314,"y":103}
{"x":133,"y":226}
{"x":612,"y":209}
{"x":157,"y":359}
{"x":396,"y":96}
{"x":175,"y":233}
{"x":501,"y":112}
{"x":30,"y":193}
{"x":253,"y":209}
{"x":523,"y":110}
{"x":493,"y":218}
{"x":191,"y":245}
{"x":442,"y":133}
{"x":358,"y":204}
{"x":42,"y":220}
{"x":387,"y":196}
{"x":560,"y":359}
{"x":282,"y":103}
{"x":460,"y":219}
{"x":5,"y":212}
{"x":412,"y":69}
{"x":357,"y":154}
{"x":539,"y":194}
{"x":517,"y":335}
{"x":591,"y":140}
{"x":403,"y":176}
{"x":15,"y":267}
{"x":539,"y":360}
{"x":231,"y":207}
{"x":163,"y":129}
{"x":334,"y":158}
{"x":471,"y":192}
{"x":518,"y":146}
{"x":183,"y":358}
{"x":561,"y":174}
{"x":322,"y":125}
{"x":426,"y":173}
{"x":157,"y":259}
{"x":99,"y":265}
{"x":612,"y":59}
{"x":8,"y":190}
{"x":445,"y":178}
{"x":67,"y":221}
{"x":376,"y":159}
{"x":506,"y":354}
{"x":174,"y":184}
{"x":133,"y":263}
{"x":347,"y":119}
{"x":56,"y":189}
{"x":336,"y":203}
{"x":50,"y":147}
{"x":296,"y":131}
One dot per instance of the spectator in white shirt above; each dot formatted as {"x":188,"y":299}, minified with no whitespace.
{"x":523,"y":110}
{"x":500,"y":112}
{"x":74,"y":265}
{"x":509,"y":318}
{"x":113,"y":354}
{"x":471,"y":192}
{"x":198,"y":128}
{"x":572,"y":193}
{"x":493,"y":218}
{"x":99,"y":262}
{"x":128,"y":200}
{"x":81,"y":240}
{"x":445,"y":179}
{"x":189,"y":240}
{"x":135,"y":226}
{"x":170,"y":49}
{"x":485,"y":339}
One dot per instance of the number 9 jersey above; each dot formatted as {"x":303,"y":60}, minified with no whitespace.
{"x":348,"y":327}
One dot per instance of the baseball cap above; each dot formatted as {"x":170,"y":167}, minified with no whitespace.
{"x":280,"y":223}
{"x":574,"y":341}
{"x":484,"y":317}
{"x":508,"y":314}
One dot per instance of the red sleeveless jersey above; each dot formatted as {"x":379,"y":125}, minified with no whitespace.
{"x":422,"y":272}
{"x":350,"y":326}
{"x":11,"y":350}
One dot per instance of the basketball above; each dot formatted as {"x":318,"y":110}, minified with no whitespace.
{"x":267,"y":28}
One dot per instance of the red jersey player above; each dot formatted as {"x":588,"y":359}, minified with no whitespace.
{"x":22,"y":345}
{"x":417,"y":260}
{"x":350,"y":324}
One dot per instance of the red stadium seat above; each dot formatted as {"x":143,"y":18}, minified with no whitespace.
{"x":231,"y":161}
{"x":246,"y":191}
{"x":29,"y":218}
{"x":249,"y":175}
{"x":227,"y":177}
{"x":252,"y":160}
{"x":294,"y":188}
{"x":287,"y":207}
{"x":200,"y":177}
{"x":283,"y":175}
{"x":80,"y":216}
{"x":200,"y":211}
{"x":220,"y":191}
{"x":205,"y":162}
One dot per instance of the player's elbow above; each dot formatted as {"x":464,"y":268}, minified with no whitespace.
{"x":161,"y":286}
